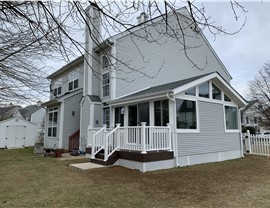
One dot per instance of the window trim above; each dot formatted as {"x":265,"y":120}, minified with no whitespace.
{"x":57,"y":85}
{"x":52,"y":111}
{"x":197,"y":130}
{"x":224,"y":119}
{"x":72,"y":77}
{"x":103,"y":85}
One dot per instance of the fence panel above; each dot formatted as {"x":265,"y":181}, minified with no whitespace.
{"x":256,"y":144}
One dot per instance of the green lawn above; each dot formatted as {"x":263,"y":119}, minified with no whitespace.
{"x":28,"y":180}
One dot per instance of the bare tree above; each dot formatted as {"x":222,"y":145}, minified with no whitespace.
{"x":259,"y":89}
{"x":33,"y":32}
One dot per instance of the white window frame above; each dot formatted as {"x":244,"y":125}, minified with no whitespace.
{"x":72,"y":77}
{"x":197,"y":130}
{"x":224,"y":119}
{"x":52,"y":125}
{"x":104,"y":116}
{"x":107,"y":84}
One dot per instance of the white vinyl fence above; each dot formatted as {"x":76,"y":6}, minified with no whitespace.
{"x":256,"y":144}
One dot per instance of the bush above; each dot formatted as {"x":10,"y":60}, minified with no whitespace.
{"x":250,"y":128}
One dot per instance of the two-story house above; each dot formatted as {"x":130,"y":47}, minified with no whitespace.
{"x":63,"y":108}
{"x":160,"y":111}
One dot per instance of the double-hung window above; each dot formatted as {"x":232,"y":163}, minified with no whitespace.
{"x":73,"y":80}
{"x":57,"y":87}
{"x":106,"y":84}
{"x":52,"y":124}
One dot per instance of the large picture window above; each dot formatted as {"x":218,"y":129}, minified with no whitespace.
{"x":106,"y":84}
{"x":231,"y":118}
{"x":52,"y":124}
{"x":186,"y":117}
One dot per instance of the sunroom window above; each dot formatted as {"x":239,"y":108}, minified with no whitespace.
{"x":216,"y":92}
{"x":204,"y":90}
{"x":186,"y":117}
{"x":226,"y":98}
{"x":231,"y":118}
{"x":161,"y":112}
{"x":191,"y":91}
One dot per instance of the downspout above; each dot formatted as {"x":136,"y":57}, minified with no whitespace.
{"x":174,"y":133}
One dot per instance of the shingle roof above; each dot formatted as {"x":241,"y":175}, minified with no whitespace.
{"x":160,"y":89}
{"x":29,"y":110}
{"x":250,"y":104}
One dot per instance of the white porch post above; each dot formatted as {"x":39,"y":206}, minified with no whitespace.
{"x":118,"y":137}
{"x":143,"y":137}
{"x":93,"y":145}
{"x":106,"y":146}
{"x":170,"y":136}
{"x":248,"y":142}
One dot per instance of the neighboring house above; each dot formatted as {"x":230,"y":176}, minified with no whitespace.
{"x":181,"y":116}
{"x":8,"y":112}
{"x":251,"y":116}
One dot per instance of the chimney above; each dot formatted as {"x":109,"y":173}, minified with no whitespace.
{"x":142,"y":18}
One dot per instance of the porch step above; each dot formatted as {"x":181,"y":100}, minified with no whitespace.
{"x":112,"y":159}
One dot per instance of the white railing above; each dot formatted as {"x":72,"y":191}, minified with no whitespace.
{"x":257,"y":144}
{"x":145,"y":138}
{"x":139,"y":138}
{"x":98,"y":140}
{"x":111,"y":141}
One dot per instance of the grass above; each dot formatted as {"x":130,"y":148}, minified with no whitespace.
{"x":28,"y":180}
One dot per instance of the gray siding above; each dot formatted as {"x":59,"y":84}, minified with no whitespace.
{"x":96,"y":78}
{"x":71,"y":123}
{"x":167,"y":54}
{"x":212,"y":137}
{"x":85,"y":121}
{"x":98,"y":116}
{"x":65,"y":80}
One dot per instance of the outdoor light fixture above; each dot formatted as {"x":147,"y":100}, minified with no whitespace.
{"x":122,"y":110}
{"x":73,"y":113}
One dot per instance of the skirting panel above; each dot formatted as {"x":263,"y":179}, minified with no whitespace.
{"x":209,"y":157}
{"x":146,"y":166}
